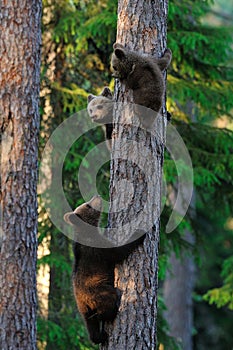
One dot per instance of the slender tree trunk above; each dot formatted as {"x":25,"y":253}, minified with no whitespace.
{"x":178,"y":288}
{"x":19,"y":126}
{"x":135,"y":187}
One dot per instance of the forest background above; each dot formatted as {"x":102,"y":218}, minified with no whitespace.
{"x":76,"y":50}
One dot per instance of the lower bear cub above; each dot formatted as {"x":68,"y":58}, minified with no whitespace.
{"x":93,"y":272}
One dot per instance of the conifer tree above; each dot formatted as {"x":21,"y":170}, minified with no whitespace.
{"x":82,"y":33}
{"x":19,"y":128}
{"x":141,"y":27}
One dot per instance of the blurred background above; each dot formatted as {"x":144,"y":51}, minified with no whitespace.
{"x":77,"y":43}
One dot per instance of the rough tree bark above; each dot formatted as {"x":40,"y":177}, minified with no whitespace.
{"x":136,"y":173}
{"x":19,"y":126}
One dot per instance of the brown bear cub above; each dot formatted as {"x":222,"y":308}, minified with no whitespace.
{"x":144,"y":76}
{"x":93,"y":272}
{"x":100,"y":109}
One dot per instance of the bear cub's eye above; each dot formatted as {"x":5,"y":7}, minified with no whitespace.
{"x":99,"y":107}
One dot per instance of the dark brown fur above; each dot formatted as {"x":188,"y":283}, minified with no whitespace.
{"x":144,"y":76}
{"x":93,"y":273}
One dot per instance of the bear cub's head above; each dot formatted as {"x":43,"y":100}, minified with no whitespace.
{"x":88,"y":212}
{"x":100,"y":108}
{"x":122,"y":62}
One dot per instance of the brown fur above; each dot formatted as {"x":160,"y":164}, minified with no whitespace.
{"x":100,"y":109}
{"x":93,"y":273}
{"x":143,"y":75}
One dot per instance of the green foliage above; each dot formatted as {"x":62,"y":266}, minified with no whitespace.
{"x":77,"y":43}
{"x":100,"y":28}
{"x":223,"y":296}
{"x":163,"y":329}
{"x":54,"y":260}
{"x":201,"y":67}
{"x":213,"y":324}
{"x":211,"y":154}
{"x":54,"y":333}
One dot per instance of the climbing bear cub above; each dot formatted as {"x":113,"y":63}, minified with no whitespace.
{"x":144,"y":76}
{"x":93,"y":272}
{"x":100,"y":109}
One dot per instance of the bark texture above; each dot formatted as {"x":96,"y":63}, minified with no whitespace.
{"x":136,"y":186}
{"x":19,"y":126}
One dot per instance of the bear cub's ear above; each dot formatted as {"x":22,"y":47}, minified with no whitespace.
{"x":71,"y":218}
{"x":165,"y":60}
{"x":106,"y":92}
{"x":119,"y":51}
{"x":118,"y":46}
{"x":90,"y":98}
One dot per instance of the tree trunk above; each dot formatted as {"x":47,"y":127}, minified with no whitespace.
{"x":136,"y":172}
{"x":178,"y":288}
{"x":19,"y":125}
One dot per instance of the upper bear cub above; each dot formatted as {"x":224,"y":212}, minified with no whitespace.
{"x":143,"y":75}
{"x":93,"y":271}
{"x":100,"y":109}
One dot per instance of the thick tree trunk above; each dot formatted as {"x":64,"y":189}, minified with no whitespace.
{"x":135,"y":187}
{"x":19,"y":126}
